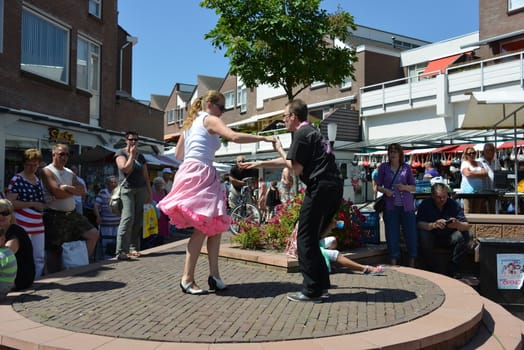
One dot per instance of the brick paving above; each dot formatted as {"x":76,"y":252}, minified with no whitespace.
{"x":141,"y":299}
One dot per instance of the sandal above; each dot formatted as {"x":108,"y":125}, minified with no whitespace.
{"x":122,"y":257}
{"x":373,"y":271}
{"x":134,"y":254}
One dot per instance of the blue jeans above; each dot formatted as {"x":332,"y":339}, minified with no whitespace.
{"x":456,"y":240}
{"x":393,"y":219}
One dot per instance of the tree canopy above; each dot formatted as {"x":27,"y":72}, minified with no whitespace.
{"x":283,"y":43}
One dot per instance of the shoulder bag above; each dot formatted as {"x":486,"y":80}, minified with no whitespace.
{"x":380,"y":202}
{"x":115,"y":202}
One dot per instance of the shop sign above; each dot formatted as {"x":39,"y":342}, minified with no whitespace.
{"x":55,"y":135}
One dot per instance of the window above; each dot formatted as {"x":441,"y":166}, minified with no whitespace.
{"x":515,"y":5}
{"x":45,"y":49}
{"x":180,"y":116}
{"x":171,"y":116}
{"x":230,"y":99}
{"x":346,"y":84}
{"x":1,"y":25}
{"x":95,"y":8}
{"x":317,"y":84}
{"x":242,"y":98}
{"x":87,"y":65}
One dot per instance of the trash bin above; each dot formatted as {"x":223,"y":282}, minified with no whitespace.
{"x":502,"y":270}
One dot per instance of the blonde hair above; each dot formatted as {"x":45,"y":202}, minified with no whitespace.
{"x":32,"y":154}
{"x":468,"y":150}
{"x":212,"y":96}
{"x":5,"y":204}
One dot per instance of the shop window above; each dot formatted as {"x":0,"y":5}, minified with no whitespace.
{"x":45,"y":48}
{"x":95,"y":8}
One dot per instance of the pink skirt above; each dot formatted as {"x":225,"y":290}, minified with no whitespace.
{"x":197,"y":199}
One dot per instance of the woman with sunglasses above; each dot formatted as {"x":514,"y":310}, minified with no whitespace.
{"x":26,"y":192}
{"x":18,"y":241}
{"x":197,"y":198}
{"x":473,"y":177}
{"x":135,"y":191}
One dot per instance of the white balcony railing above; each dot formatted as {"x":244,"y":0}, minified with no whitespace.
{"x":232,"y":148}
{"x":412,"y":92}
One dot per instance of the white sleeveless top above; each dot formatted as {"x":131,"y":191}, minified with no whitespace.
{"x":199,"y":144}
{"x":63,"y":177}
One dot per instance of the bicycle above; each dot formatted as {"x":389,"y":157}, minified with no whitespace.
{"x":245,"y":210}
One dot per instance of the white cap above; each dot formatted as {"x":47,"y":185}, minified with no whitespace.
{"x":167,"y":171}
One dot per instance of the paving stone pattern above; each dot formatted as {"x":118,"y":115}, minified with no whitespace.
{"x":141,"y":299}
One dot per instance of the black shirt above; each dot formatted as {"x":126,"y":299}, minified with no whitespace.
{"x":241,"y":174}
{"x":25,"y":275}
{"x":136,"y":178}
{"x":311,"y":150}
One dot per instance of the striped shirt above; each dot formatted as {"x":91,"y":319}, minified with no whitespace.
{"x":30,"y":219}
{"x":106,"y":214}
{"x":8,"y":269}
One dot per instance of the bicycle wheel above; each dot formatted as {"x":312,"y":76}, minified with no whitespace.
{"x":247,"y":213}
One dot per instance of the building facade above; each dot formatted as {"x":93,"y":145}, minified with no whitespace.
{"x":65,"y":76}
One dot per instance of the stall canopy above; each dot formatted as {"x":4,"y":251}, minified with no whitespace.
{"x":497,"y":110}
{"x":106,"y":153}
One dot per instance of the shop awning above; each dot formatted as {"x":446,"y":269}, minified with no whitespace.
{"x":444,"y":149}
{"x":161,"y":161}
{"x":510,"y":144}
{"x":420,"y":151}
{"x":439,"y":65}
{"x":254,"y":118}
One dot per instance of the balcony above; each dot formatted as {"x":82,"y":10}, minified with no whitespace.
{"x":233,"y":149}
{"x":442,"y":90}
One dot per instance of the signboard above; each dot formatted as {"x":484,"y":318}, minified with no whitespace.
{"x":510,"y":271}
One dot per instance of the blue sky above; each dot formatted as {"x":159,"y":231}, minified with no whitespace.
{"x":171,"y":47}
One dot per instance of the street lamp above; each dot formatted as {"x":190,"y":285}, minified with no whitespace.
{"x":332,"y":133}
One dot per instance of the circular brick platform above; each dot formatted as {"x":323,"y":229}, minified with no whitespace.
{"x":141,"y":299}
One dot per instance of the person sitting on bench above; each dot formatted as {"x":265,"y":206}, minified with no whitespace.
{"x":441,"y":222}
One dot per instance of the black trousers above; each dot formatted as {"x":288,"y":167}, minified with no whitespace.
{"x":321,"y":202}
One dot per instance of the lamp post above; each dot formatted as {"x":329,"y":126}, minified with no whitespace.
{"x":332,"y":133}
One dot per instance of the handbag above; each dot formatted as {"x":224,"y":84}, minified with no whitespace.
{"x":380,"y":202}
{"x":74,"y":254}
{"x":115,"y":202}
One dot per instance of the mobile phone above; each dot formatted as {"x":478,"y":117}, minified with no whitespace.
{"x":449,"y":221}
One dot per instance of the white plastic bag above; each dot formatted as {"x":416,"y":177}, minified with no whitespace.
{"x":74,"y":254}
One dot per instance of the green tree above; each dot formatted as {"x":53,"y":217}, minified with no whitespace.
{"x":283,"y":43}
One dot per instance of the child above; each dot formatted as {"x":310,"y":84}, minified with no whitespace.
{"x":328,"y":246}
{"x":8,"y":267}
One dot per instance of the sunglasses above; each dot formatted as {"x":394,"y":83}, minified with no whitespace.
{"x":63,"y":154}
{"x":221,"y":107}
{"x":471,"y":153}
{"x":5,"y":213}
{"x":133,"y":139}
